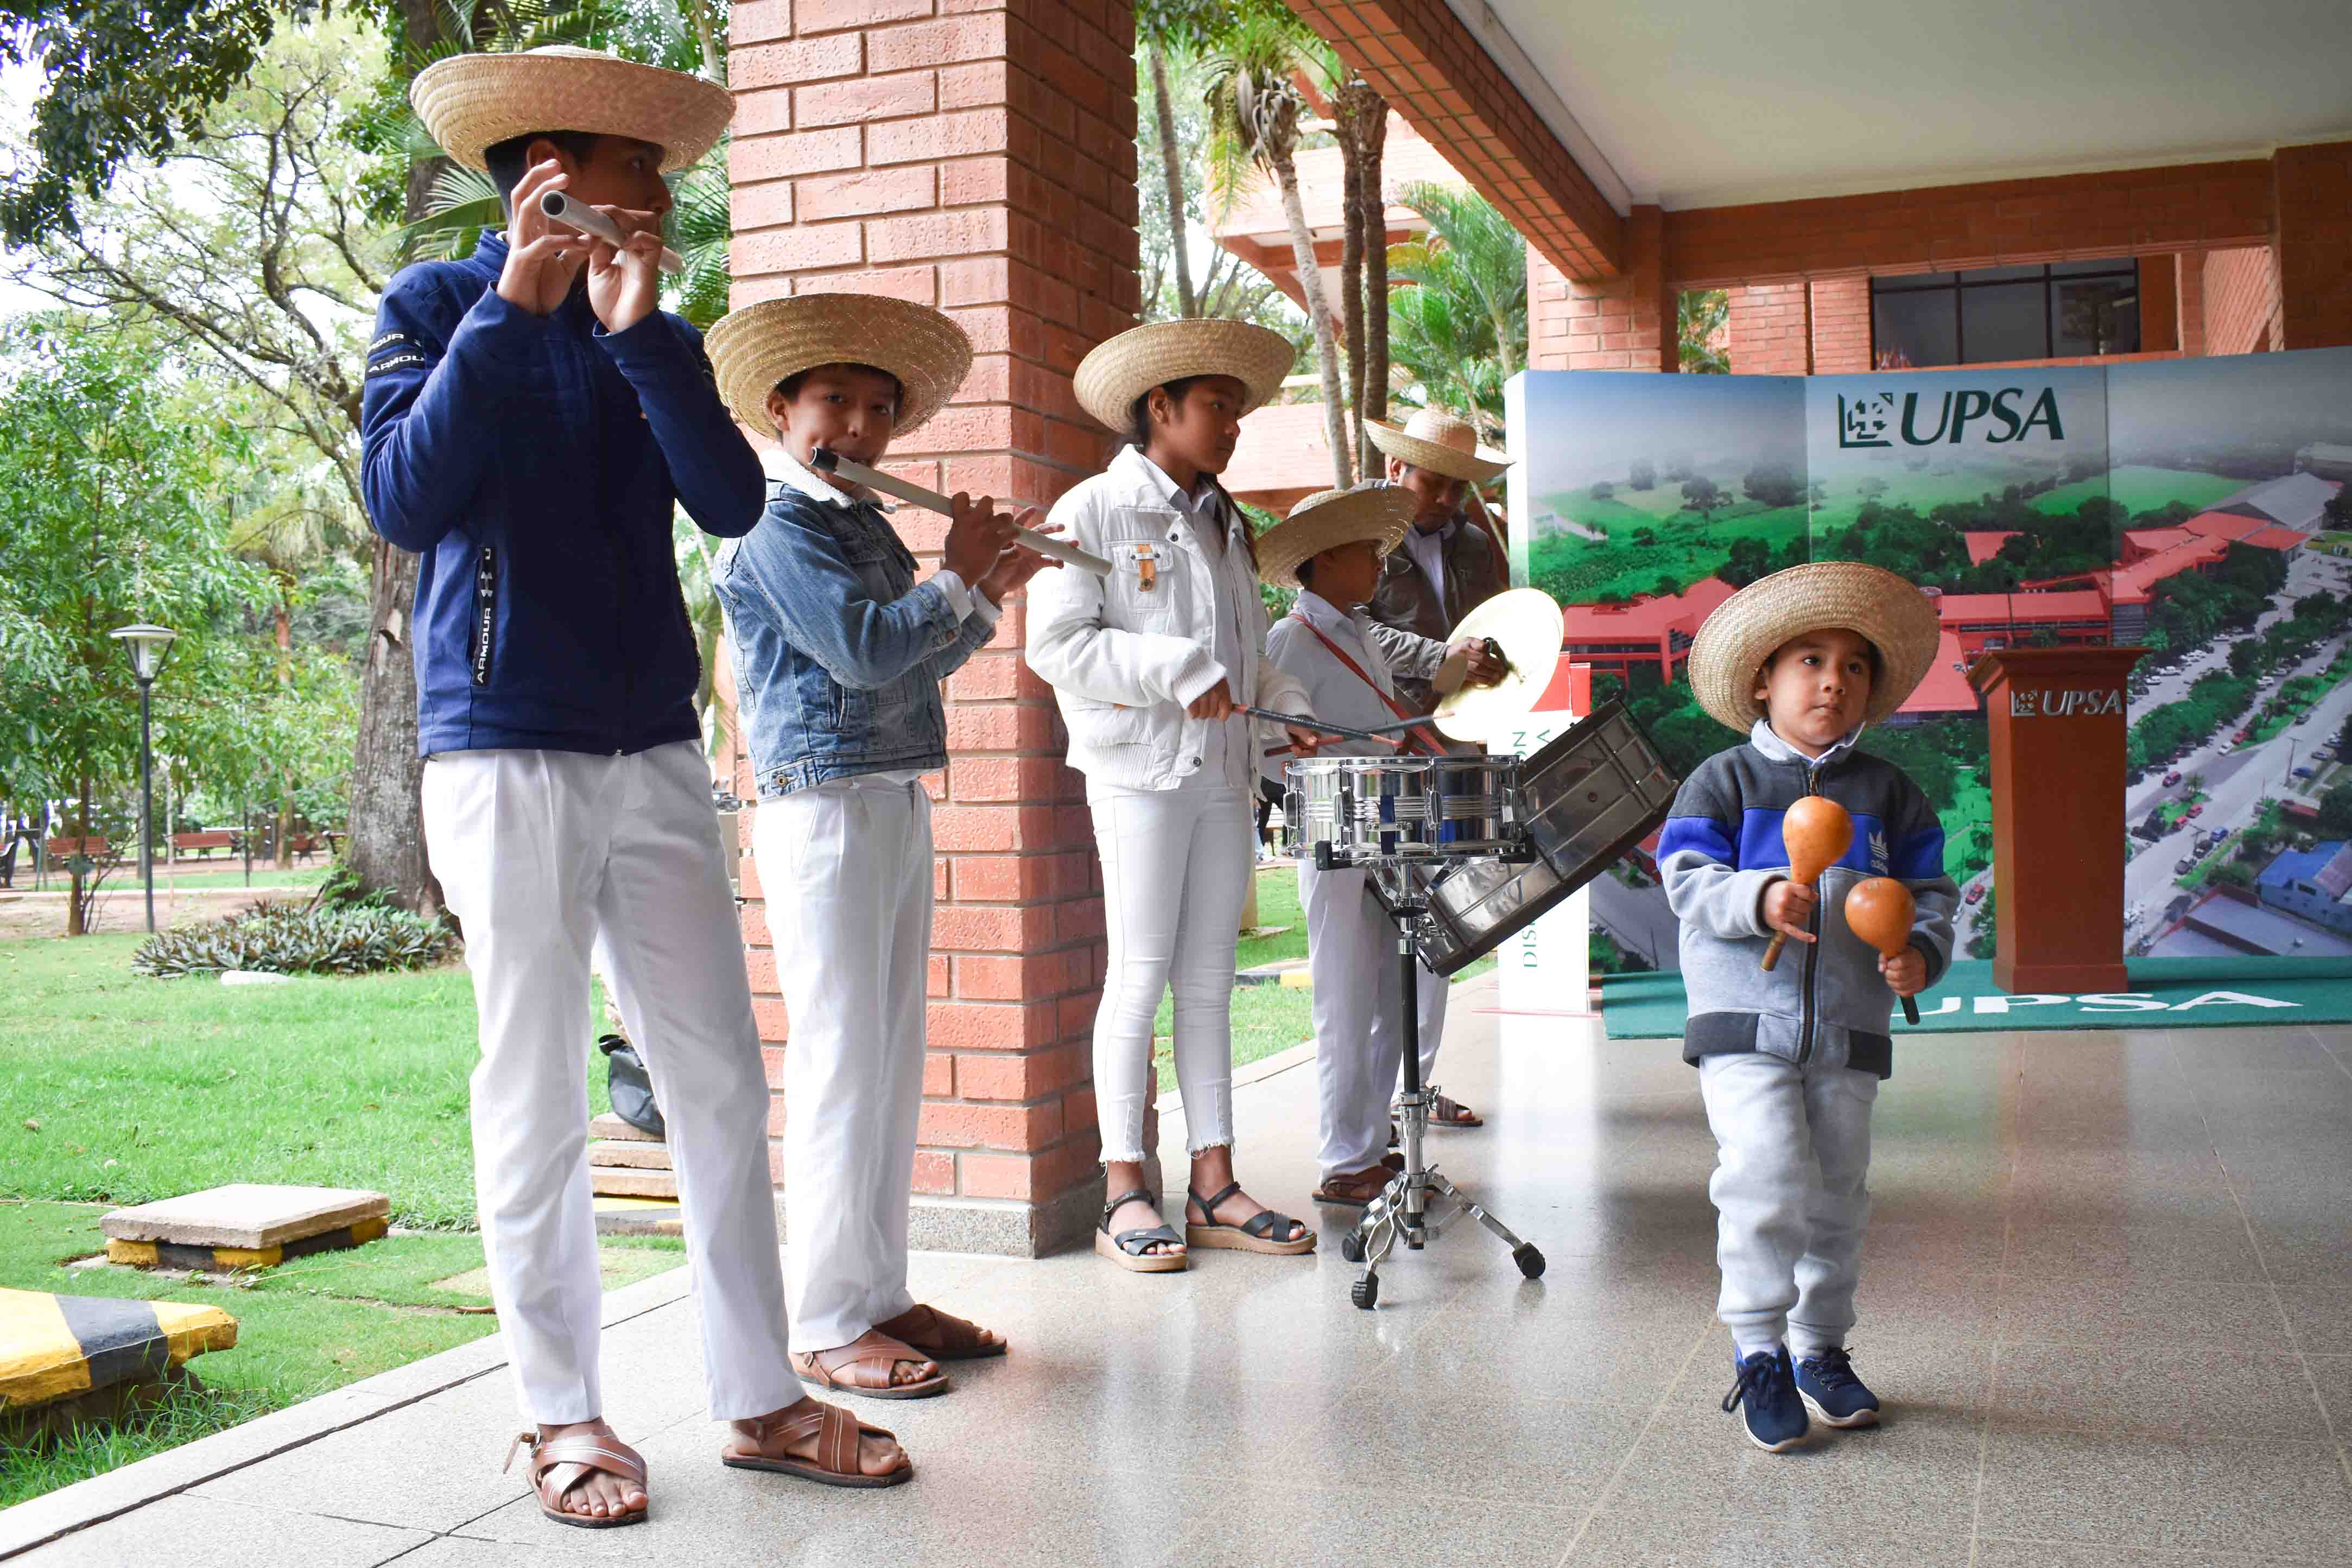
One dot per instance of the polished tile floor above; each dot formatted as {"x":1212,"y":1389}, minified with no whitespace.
{"x":2107,"y":1298}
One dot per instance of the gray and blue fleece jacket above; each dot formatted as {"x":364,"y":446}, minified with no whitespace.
{"x":1721,"y":850}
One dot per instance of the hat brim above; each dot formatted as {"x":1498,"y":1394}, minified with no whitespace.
{"x":472,"y":102}
{"x":753,"y":348}
{"x":1478,"y":466}
{"x":1122,"y":369}
{"x":1728,"y":654}
{"x":1328,"y":520}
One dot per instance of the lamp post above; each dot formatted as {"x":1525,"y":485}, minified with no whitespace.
{"x":147,"y":647}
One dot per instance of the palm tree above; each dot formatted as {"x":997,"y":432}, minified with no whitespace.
{"x":1254,"y":111}
{"x":285,"y":534}
{"x":1461,"y":329}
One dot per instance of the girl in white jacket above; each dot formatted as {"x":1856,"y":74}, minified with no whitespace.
{"x":1150,"y":666}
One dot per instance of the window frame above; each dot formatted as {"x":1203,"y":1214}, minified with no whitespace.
{"x":1957,"y":283}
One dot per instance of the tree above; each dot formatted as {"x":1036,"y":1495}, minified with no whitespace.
{"x":1702,"y":318}
{"x":2337,"y":510}
{"x":1255,"y":107}
{"x":2335,"y":813}
{"x":1702,"y":496}
{"x":1772,"y":485}
{"x":1228,"y":288}
{"x":1603,"y":490}
{"x":118,"y":82}
{"x":1644,"y":475}
{"x":110,"y":509}
{"x":1461,"y":329}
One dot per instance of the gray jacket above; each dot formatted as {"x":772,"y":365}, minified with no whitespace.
{"x":1721,"y":850}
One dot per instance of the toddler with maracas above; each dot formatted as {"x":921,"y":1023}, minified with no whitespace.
{"x":1789,"y":1057}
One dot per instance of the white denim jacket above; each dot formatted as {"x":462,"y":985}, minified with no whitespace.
{"x":1125,"y":659}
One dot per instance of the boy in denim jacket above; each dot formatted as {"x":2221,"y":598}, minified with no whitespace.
{"x":839,"y":655}
{"x":1790,"y":1060}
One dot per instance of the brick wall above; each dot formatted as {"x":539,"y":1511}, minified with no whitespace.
{"x":2314,"y":196}
{"x":2189,"y":207}
{"x":1772,"y":330}
{"x":2240,"y":288}
{"x":1623,"y":323}
{"x":2188,"y":288}
{"x":979,"y":156}
{"x":1840,"y":325}
{"x":2159,"y":308}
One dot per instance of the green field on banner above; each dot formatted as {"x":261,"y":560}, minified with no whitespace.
{"x":2165,"y":993}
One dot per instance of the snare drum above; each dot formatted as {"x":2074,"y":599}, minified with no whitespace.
{"x":1369,"y":809}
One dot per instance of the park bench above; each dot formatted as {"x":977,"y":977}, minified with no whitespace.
{"x":304,"y":845}
{"x":202,"y":845}
{"x":66,"y":849}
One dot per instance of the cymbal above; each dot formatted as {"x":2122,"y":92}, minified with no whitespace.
{"x":1527,"y":624}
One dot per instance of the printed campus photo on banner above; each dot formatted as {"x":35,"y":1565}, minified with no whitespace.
{"x":2193,"y":506}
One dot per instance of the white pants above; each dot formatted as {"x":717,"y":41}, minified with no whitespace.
{"x":1176,"y":869}
{"x":539,"y":853}
{"x":1791,"y":1196}
{"x":1351,"y":955}
{"x":847,"y":869}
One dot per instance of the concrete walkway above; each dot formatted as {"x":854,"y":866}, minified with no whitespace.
{"x":2107,"y":1299}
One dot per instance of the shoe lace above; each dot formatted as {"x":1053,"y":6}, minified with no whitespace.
{"x":1759,"y":1384}
{"x":1833,"y":1368}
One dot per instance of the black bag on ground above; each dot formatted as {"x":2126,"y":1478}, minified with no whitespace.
{"x":633,"y":1091}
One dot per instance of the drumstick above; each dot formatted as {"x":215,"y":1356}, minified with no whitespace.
{"x":588,"y":221}
{"x":1302,"y":722}
{"x":1818,"y":833}
{"x":1880,"y":911}
{"x":856,"y":473}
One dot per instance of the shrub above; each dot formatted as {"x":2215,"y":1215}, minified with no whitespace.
{"x":298,"y":939}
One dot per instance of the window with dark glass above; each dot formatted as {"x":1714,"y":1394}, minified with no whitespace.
{"x":2069,"y":310}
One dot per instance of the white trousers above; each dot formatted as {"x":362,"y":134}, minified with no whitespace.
{"x":1791,"y":1196}
{"x":1351,"y":955}
{"x":1176,"y":868}
{"x":539,"y":853}
{"x":846,"y":868}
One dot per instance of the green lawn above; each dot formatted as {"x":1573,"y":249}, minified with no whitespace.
{"x":1688,"y":550}
{"x":264,"y":876}
{"x":123,"y":1088}
{"x":2141,"y":489}
{"x":303,"y":1329}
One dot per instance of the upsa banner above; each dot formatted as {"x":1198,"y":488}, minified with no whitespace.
{"x":2192,"y":506}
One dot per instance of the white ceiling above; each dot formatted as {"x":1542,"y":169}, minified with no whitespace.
{"x":1695,"y":103}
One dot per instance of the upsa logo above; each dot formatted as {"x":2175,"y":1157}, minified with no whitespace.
{"x":1872,"y":419}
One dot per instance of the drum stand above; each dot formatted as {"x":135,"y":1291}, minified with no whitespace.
{"x":1403,"y":1209}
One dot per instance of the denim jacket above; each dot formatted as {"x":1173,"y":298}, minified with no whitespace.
{"x":838,"y":652}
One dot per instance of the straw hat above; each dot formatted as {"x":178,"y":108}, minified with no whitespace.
{"x":1118,"y":371}
{"x":1731,"y":647}
{"x":471,"y":102}
{"x":1440,"y":442}
{"x":1328,"y":519}
{"x":756,"y":347}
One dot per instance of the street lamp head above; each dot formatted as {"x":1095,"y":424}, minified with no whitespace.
{"x":147,"y":645}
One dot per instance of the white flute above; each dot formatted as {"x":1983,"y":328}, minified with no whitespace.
{"x":932,"y":501}
{"x":588,"y":221}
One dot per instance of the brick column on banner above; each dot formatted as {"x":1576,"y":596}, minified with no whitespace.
{"x":2313,"y":250}
{"x":2189,"y":287}
{"x":978,"y":156}
{"x":1622,"y":323}
{"x":1772,"y":330}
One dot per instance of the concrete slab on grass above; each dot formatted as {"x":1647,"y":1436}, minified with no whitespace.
{"x":246,"y":1215}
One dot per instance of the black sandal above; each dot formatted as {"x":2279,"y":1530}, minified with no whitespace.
{"x":1252,"y":1235}
{"x":1127,"y":1249}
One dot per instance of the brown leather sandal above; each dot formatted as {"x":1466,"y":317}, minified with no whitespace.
{"x":583,"y":1453}
{"x":1255,"y":1234}
{"x":1354,"y":1190}
{"x":940,"y":1336}
{"x":835,"y":1464}
{"x":863,"y":1367}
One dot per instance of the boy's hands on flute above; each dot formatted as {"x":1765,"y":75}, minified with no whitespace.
{"x":1018,"y":563}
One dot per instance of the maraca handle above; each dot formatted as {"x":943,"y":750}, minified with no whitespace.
{"x":1773,"y":955}
{"x":1910,"y":1011}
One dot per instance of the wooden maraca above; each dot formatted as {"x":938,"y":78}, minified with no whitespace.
{"x":1817,"y":832}
{"x":1880,"y":911}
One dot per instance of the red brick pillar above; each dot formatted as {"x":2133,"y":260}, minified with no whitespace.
{"x":979,"y":156}
{"x":1772,"y":330}
{"x":1840,"y":325}
{"x":2314,"y":186}
{"x":2188,"y":284}
{"x":1622,"y":323}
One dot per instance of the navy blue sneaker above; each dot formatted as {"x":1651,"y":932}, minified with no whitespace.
{"x":1831,"y":1391}
{"x":1766,"y":1396}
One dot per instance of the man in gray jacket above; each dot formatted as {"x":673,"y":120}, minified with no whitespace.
{"x":1447,"y":564}
{"x":1789,"y":1060}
